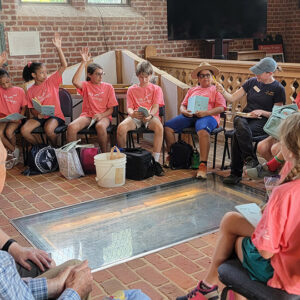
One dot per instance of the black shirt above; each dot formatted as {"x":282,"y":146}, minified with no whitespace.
{"x":263,"y":96}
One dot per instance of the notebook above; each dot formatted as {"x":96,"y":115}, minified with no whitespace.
{"x":251,"y":211}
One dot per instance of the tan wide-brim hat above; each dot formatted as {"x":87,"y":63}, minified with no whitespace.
{"x":205,"y":66}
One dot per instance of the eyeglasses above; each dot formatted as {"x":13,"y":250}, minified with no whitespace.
{"x":99,"y":74}
{"x":204,"y":75}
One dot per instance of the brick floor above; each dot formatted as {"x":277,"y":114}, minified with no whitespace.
{"x":162,"y":275}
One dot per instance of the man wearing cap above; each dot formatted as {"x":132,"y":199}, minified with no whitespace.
{"x":205,"y":121}
{"x":262,"y":92}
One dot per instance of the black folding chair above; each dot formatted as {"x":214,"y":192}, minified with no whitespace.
{"x":143,"y":129}
{"x":228,"y":134}
{"x":111,"y":129}
{"x":214,"y":133}
{"x":236,"y":278}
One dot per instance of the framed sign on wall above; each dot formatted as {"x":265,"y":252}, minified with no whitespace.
{"x":272,"y":46}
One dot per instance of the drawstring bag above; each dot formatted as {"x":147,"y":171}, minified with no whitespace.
{"x":41,"y":160}
{"x":279,"y":114}
{"x":87,"y":155}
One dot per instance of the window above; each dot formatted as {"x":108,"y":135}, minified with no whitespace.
{"x":107,"y":1}
{"x":45,"y":1}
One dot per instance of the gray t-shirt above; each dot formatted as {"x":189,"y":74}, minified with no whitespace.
{"x":263,"y":96}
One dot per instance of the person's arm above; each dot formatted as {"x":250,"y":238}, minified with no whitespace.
{"x":105,"y":114}
{"x":21,"y":254}
{"x":230,"y":97}
{"x":57,"y":43}
{"x":211,"y":112}
{"x":3,"y":58}
{"x":264,"y":113}
{"x":85,"y":57}
{"x":265,"y":254}
{"x":184,"y":111}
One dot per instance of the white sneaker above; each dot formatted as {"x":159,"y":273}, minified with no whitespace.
{"x":16,"y":153}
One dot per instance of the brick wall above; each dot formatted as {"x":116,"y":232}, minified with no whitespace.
{"x":104,"y":29}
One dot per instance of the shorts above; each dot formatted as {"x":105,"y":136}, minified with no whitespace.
{"x":43,"y":121}
{"x":259,"y":268}
{"x":180,"y":122}
{"x":139,"y":123}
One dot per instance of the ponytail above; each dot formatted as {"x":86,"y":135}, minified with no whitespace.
{"x":30,"y":68}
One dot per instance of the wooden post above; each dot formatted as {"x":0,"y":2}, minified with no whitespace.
{"x":119,"y":66}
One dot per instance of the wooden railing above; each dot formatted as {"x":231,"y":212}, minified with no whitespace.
{"x":232,"y":74}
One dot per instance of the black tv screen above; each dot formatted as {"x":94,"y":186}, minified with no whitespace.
{"x":212,"y":19}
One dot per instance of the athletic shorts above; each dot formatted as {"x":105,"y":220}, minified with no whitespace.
{"x":139,"y":123}
{"x":180,"y":122}
{"x":258,"y":267}
{"x":43,"y":121}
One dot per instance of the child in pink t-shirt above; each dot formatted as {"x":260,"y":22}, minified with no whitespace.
{"x":46,"y":90}
{"x":149,"y":96}
{"x":270,"y":252}
{"x":98,"y":101}
{"x":12,"y":100}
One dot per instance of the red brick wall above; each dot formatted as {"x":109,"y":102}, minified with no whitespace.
{"x":110,"y":33}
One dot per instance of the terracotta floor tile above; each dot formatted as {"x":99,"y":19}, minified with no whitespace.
{"x":171,"y":291}
{"x":58,"y":192}
{"x":69,"y":199}
{"x":50,"y":198}
{"x":5,"y":204}
{"x":146,"y":288}
{"x":12,"y":197}
{"x":12,"y":212}
{"x":42,"y":206}
{"x":112,"y":285}
{"x":22,"y":205}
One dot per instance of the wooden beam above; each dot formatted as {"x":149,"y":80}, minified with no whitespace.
{"x":119,"y":66}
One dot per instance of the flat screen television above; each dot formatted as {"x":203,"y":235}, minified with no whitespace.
{"x":216,"y":19}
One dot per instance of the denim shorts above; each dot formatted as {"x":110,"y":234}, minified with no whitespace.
{"x":258,"y":267}
{"x":180,"y":122}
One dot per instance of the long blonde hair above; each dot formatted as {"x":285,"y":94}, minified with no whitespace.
{"x":290,"y":136}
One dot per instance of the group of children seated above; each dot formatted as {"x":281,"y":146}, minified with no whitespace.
{"x":98,"y":102}
{"x":274,"y":245}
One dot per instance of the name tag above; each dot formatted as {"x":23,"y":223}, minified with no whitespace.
{"x":256,"y":89}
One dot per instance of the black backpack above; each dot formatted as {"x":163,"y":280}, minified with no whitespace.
{"x":41,"y":160}
{"x":140,"y":163}
{"x":180,"y":155}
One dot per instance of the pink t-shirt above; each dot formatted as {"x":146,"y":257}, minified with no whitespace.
{"x":297,"y":100}
{"x":12,"y":100}
{"x":216,"y":99}
{"x":145,"y":96}
{"x":47,"y":94}
{"x":97,"y":98}
{"x":278,"y":233}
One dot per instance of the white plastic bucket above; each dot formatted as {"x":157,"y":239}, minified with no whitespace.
{"x":110,"y":173}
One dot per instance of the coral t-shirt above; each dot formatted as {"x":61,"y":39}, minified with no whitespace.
{"x":145,"y":96}
{"x":278,"y":233}
{"x":97,"y":98}
{"x":47,"y":94}
{"x":297,"y":100}
{"x":12,"y":100}
{"x":216,"y":99}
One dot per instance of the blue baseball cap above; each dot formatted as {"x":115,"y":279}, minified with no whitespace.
{"x":266,"y":64}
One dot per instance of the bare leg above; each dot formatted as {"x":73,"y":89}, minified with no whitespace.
{"x":204,"y":144}
{"x":123,"y":128}
{"x":10,"y":133}
{"x":233,"y":225}
{"x":4,"y":139}
{"x":264,"y":148}
{"x":26,"y":130}
{"x":75,"y":126}
{"x":156,"y":126}
{"x":170,"y":138}
{"x":49,"y":128}
{"x":101,"y":128}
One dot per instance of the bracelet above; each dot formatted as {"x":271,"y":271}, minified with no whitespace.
{"x":7,"y":244}
{"x":278,"y":160}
